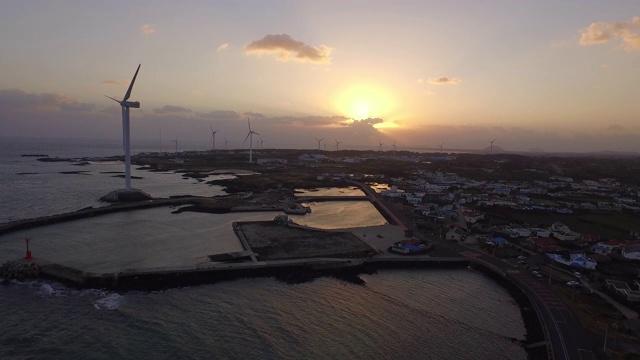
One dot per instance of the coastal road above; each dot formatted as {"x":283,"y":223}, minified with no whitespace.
{"x":568,"y":340}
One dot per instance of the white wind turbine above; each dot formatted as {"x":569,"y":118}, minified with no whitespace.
{"x":394,"y":148}
{"x":318,"y":140}
{"x":261,"y":142}
{"x":125,"y":129}
{"x":213,"y":138}
{"x":440,"y":146}
{"x":250,"y":137}
{"x":380,"y":146}
{"x":226,"y":144}
{"x":492,"y":145}
{"x":338,"y":144}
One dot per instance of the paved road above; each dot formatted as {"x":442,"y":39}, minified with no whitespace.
{"x":565,"y":333}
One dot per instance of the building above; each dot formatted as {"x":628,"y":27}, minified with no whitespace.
{"x":631,"y":251}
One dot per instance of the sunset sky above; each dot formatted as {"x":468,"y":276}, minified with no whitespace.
{"x":550,"y":75}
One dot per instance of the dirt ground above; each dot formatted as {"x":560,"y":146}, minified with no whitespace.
{"x":278,"y":242}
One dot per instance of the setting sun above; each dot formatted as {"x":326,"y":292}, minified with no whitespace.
{"x":364,"y":101}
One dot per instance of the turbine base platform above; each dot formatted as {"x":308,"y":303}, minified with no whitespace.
{"x":124,"y":195}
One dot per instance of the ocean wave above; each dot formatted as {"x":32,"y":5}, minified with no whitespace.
{"x":112,"y":301}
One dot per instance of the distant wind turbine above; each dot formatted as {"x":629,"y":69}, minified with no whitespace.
{"x":318,"y":140}
{"x":126,"y":143}
{"x":225,"y":144}
{"x":250,"y":137}
{"x":394,"y":148}
{"x":261,"y":143}
{"x":213,"y":138}
{"x":440,"y":146}
{"x":492,"y":145}
{"x":338,"y":144}
{"x":176,"y":141}
{"x":380,"y":146}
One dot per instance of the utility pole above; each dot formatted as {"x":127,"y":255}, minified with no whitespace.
{"x":605,"y":339}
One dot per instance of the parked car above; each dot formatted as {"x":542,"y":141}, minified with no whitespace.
{"x":537,"y":274}
{"x":522,"y":262}
{"x":577,"y":274}
{"x":573,"y":283}
{"x":521,"y":257}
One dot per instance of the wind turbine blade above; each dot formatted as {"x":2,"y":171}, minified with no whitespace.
{"x":118,"y":101}
{"x":128,"y":94}
{"x":255,"y":133}
{"x":245,"y":139}
{"x":211,"y":128}
{"x":249,"y":122}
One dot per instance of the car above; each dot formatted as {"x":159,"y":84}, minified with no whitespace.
{"x":537,"y":274}
{"x":521,"y":257}
{"x":577,"y":274}
{"x":573,"y":283}
{"x":521,"y":262}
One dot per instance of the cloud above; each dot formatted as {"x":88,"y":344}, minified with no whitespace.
{"x":147,"y":29}
{"x":116,"y":82}
{"x":420,"y":81}
{"x":222,"y":115}
{"x":309,"y":121}
{"x":616,"y":127}
{"x":171,"y":109}
{"x":444,"y":80}
{"x":288,"y":49}
{"x":602,"y":32}
{"x":253,"y":114}
{"x":19,"y":100}
{"x":223,"y":47}
{"x":369,"y":121}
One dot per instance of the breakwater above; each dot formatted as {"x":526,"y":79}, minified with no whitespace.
{"x":90,"y":212}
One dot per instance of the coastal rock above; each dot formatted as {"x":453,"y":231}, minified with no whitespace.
{"x":19,"y":270}
{"x":122,"y":195}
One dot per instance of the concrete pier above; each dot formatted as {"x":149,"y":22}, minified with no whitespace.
{"x":163,"y":278}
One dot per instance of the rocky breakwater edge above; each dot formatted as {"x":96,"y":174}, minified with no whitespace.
{"x":19,"y":270}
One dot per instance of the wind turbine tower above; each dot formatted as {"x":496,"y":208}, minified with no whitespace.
{"x":225,"y":144}
{"x":380,"y":146}
{"x":440,"y":146}
{"x":176,"y":141}
{"x":250,"y":137}
{"x":491,"y":149}
{"x":126,"y":140}
{"x":213,"y":138}
{"x":318,"y":140}
{"x":394,"y":148}
{"x":338,"y":145}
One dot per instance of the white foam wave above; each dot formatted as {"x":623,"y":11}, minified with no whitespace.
{"x":110,"y":302}
{"x":47,"y":289}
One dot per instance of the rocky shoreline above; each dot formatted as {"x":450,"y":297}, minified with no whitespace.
{"x":19,"y":270}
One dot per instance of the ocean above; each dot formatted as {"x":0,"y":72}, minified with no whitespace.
{"x":396,"y":314}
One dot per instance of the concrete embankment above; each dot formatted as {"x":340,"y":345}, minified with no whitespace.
{"x":297,"y":270}
{"x":90,"y":212}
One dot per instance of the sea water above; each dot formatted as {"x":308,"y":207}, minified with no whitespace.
{"x":408,"y":314}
